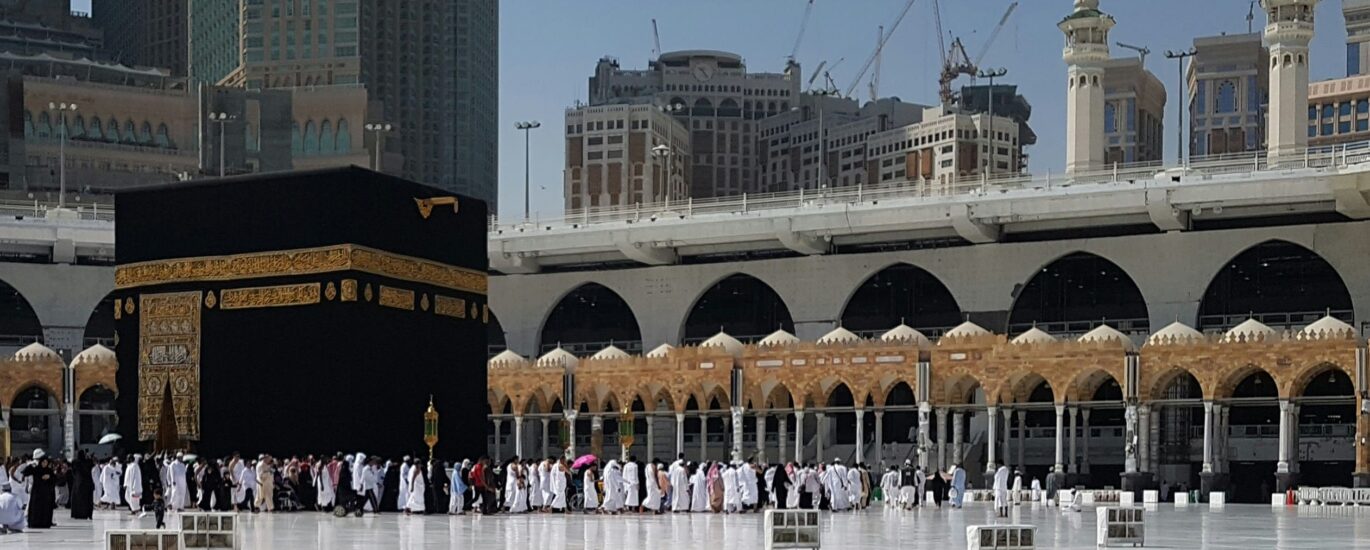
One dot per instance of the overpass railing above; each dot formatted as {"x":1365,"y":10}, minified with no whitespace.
{"x":938,"y":190}
{"x":38,"y":209}
{"x":1343,"y":496}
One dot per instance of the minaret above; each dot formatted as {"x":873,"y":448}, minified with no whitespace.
{"x":1288,"y":31}
{"x":1086,"y":51}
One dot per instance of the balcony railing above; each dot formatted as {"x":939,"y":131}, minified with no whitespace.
{"x":932,"y":191}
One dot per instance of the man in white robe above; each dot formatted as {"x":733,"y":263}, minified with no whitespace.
{"x":889,"y":487}
{"x":11,"y":513}
{"x":699,"y":489}
{"x":179,"y":487}
{"x":406,"y":467}
{"x":545,"y":479}
{"x":653,"y":502}
{"x":323,"y":486}
{"x":558,"y":480}
{"x":1001,"y":497}
{"x":511,"y":484}
{"x":590,"y":503}
{"x":133,"y":486}
{"x":854,"y":486}
{"x":613,"y":487}
{"x":111,"y":477}
{"x":413,"y":500}
{"x":680,"y":486}
{"x":835,"y":481}
{"x":732,"y":496}
{"x":747,"y":484}
{"x":1017,"y":494}
{"x":631,"y":500}
{"x":97,"y":475}
{"x":535,"y":485}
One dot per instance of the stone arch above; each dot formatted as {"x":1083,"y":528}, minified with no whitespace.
{"x":715,"y":392}
{"x":1162,"y":382}
{"x":589,"y":317}
{"x":100,"y":324}
{"x":1076,"y":292}
{"x":842,"y":390}
{"x":960,"y":388}
{"x":1271,"y":280}
{"x":1228,"y":381}
{"x":773,"y":398}
{"x":1297,"y":384}
{"x":900,"y":293}
{"x":495,"y":338}
{"x":18,"y":319}
{"x":1085,"y":383}
{"x":1019,"y":387}
{"x":719,"y":304}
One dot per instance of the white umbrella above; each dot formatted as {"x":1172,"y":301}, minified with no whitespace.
{"x":110,"y":438}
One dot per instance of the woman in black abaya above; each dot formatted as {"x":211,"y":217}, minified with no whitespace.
{"x":82,"y":487}
{"x":43,"y":498}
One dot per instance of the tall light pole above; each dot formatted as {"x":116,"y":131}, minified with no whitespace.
{"x":527,"y":128}
{"x":378,"y":131}
{"x":991,"y":75}
{"x":62,"y":109}
{"x":1180,"y":57}
{"x":221,"y":118}
{"x":674,"y":109}
{"x":665,"y":153}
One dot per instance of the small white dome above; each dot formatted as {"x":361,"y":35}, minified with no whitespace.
{"x":661,"y":351}
{"x":558,"y":358}
{"x":905,"y":333}
{"x":1248,"y":331}
{"x":1034,"y":335}
{"x":778,"y":338}
{"x":94,"y":354}
{"x":966,"y":329}
{"x":507,"y":358}
{"x":1328,"y":327}
{"x":1174,"y":332}
{"x":36,"y":352}
{"x":839,"y":335}
{"x":721,"y":340}
{"x":1105,"y":333}
{"x":611,"y":352}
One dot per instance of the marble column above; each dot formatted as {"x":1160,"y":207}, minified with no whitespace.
{"x":958,"y":435}
{"x":1208,"y":437}
{"x":818,"y":437}
{"x":499,"y":445}
{"x":679,"y":434}
{"x":1153,"y":441}
{"x":782,"y":447}
{"x":68,"y":427}
{"x":651,"y":438}
{"x":737,"y":433}
{"x":1084,"y":452}
{"x":703,"y":437}
{"x":1294,"y":458}
{"x":992,"y":437}
{"x":860,"y":437}
{"x":1223,"y":464}
{"x":941,"y":413}
{"x":879,"y":437}
{"x":1133,"y":458}
{"x":924,"y":436}
{"x":1074,"y":414}
{"x":799,"y":436}
{"x":1022,"y":440}
{"x":596,"y":436}
{"x":1008,"y":436}
{"x":570,"y":443}
{"x":1060,"y":467}
{"x":545,"y":451}
{"x":1143,"y":438}
{"x":761,"y":438}
{"x":518,"y":436}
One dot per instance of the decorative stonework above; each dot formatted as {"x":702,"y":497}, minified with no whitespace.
{"x":169,"y":355}
{"x":397,"y":298}
{"x":349,"y":290}
{"x":270,"y":296}
{"x":449,"y":306}
{"x":330,"y":291}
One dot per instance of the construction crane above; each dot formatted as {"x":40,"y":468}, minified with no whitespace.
{"x":1250,"y":17}
{"x":885,"y":37}
{"x":875,"y":77}
{"x":803,"y":25}
{"x":1142,"y":51}
{"x":955,"y":61}
{"x":817,"y":72}
{"x":656,"y":41}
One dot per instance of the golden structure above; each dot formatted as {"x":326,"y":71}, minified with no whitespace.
{"x":430,"y":427}
{"x":967,"y":369}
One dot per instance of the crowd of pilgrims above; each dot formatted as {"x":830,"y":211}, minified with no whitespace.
{"x":31,"y":488}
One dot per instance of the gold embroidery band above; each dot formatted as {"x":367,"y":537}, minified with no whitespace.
{"x":449,"y":306}
{"x":305,"y":261}
{"x":398,"y":298}
{"x":269,"y":296}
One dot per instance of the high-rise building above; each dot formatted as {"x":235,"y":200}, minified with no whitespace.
{"x":30,"y":27}
{"x":613,"y":160}
{"x":718,"y":100}
{"x":1357,"y":15}
{"x":1134,"y":108}
{"x":1228,"y":93}
{"x":430,"y":69}
{"x":145,"y":32}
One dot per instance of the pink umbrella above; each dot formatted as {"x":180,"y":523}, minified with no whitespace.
{"x":583,"y":461}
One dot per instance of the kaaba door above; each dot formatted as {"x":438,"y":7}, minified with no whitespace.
{"x":167,"y":438}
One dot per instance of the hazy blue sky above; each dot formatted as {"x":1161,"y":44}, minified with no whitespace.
{"x":548,"y":49}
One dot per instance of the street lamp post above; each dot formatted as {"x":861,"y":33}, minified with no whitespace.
{"x":1183,"y":143}
{"x":62,"y":109}
{"x":221,"y":118}
{"x":674,"y":109}
{"x":665,"y":153}
{"x":378,"y":130}
{"x":527,"y":128}
{"x":991,"y":75}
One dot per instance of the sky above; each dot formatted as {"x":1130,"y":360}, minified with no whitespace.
{"x":548,"y":50}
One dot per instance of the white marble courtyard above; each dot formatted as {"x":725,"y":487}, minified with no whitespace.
{"x":1244,"y":527}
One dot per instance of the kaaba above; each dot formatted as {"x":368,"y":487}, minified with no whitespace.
{"x":303,"y":312}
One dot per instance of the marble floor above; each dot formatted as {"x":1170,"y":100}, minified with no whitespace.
{"x":1245,"y":527}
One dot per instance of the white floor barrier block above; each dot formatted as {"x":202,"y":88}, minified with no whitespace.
{"x":1217,"y":499}
{"x":1181,"y":500}
{"x":1151,"y":497}
{"x":1087,"y":497}
{"x":1277,"y":500}
{"x":1001,"y":537}
{"x":1127,"y":498}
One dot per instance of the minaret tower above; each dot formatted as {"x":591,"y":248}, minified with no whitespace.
{"x":1288,"y":31}
{"x":1086,"y":51}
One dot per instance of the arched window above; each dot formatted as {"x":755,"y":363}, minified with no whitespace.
{"x":44,"y":125}
{"x":78,"y":129}
{"x":97,"y":417}
{"x":164,"y":137}
{"x":311,"y":139}
{"x":327,"y":141}
{"x":145,"y":134}
{"x":28,"y":124}
{"x":130,"y":134}
{"x":112,"y":131}
{"x":1110,"y":118}
{"x":1227,"y":97}
{"x":344,"y":138}
{"x":703,"y":107}
{"x":296,"y":144}
{"x":34,"y":421}
{"x":96,"y":129}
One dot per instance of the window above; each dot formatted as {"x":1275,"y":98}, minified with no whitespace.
{"x":1352,"y":59}
{"x":1110,"y":119}
{"x":345,"y":51}
{"x":344,"y":138}
{"x":1227,"y":97}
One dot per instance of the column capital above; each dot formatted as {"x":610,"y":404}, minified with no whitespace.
{"x":1085,"y":413}
{"x":860,"y":412}
{"x":680,"y":417}
{"x":925,"y":407}
{"x":571,"y":414}
{"x":1074,"y":409}
{"x":821,"y":414}
{"x":879,"y":413}
{"x":1060,"y":409}
{"x":799,"y":413}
